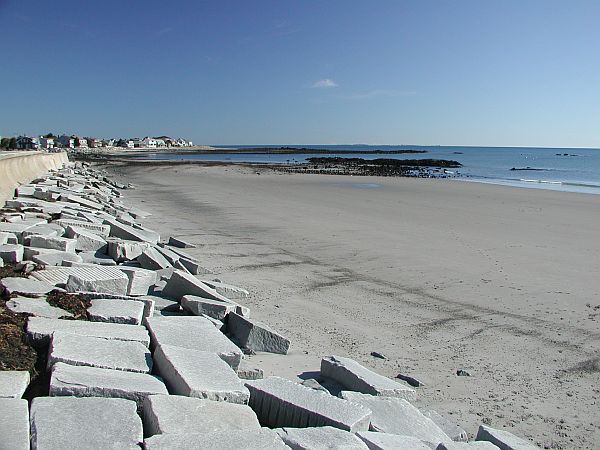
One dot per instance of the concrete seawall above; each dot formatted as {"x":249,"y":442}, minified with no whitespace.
{"x":17,"y":168}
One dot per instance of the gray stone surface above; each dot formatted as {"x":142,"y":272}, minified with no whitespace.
{"x":356,"y":377}
{"x":455,"y":432}
{"x":503,"y":439}
{"x":97,"y":258}
{"x":56,"y":243}
{"x":140,"y":280}
{"x":475,"y":445}
{"x":90,"y":351}
{"x":263,"y":439}
{"x":36,"y":307}
{"x":40,"y":329}
{"x":163,"y":304}
{"x":193,"y":267}
{"x":84,"y":381}
{"x":98,"y":279}
{"x":47,"y":230}
{"x":86,"y":240}
{"x":282,"y":403}
{"x":320,"y":438}
{"x":195,"y":373}
{"x":13,"y":383}
{"x":386,"y":441}
{"x":228,"y":290}
{"x":74,"y":423}
{"x":170,"y":255}
{"x":168,"y":414}
{"x":14,"y":424}
{"x":256,"y":336}
{"x":176,"y":242}
{"x":81,"y":201}
{"x":97,"y":228}
{"x":248,"y":372}
{"x":25,"y":286}
{"x":11,"y":253}
{"x":123,"y":231}
{"x":122,"y":250}
{"x":195,"y":333}
{"x":152,"y":259}
{"x":181,"y":284}
{"x":56,"y":258}
{"x":213,"y":308}
{"x":397,"y":416}
{"x":116,"y":311}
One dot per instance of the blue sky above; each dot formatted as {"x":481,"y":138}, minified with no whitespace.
{"x":505,"y":72}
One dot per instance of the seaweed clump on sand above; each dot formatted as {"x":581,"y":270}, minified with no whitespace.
{"x":425,"y":168}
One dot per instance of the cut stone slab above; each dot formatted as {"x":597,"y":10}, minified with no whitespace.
{"x":140,"y":280}
{"x":213,"y":308}
{"x":123,"y":231}
{"x":228,"y":290}
{"x":195,"y":373}
{"x":397,"y":416}
{"x":455,"y":432}
{"x":77,"y":423}
{"x":47,"y":230}
{"x":40,"y":329}
{"x":4,"y":236}
{"x":263,"y":439}
{"x":56,"y":243}
{"x":152,"y":259}
{"x":474,"y":445}
{"x":148,"y":301}
{"x":175,"y":414}
{"x":56,"y":258}
{"x":36,"y":307}
{"x":97,"y":258}
{"x":194,"y":333}
{"x":386,"y":441}
{"x":163,"y":304}
{"x":99,"y":229}
{"x":86,"y":241}
{"x":98,"y":279}
{"x":25,"y":286}
{"x":14,"y":426}
{"x":83,"y":381}
{"x":192,"y":267}
{"x":15,"y":228}
{"x":282,"y":403}
{"x":175,"y":242}
{"x":116,"y":311}
{"x":181,"y":284}
{"x":11,"y":253}
{"x":247,"y":372}
{"x":320,"y":438}
{"x":13,"y":383}
{"x":121,"y":250}
{"x":79,"y":350}
{"x":81,"y":201}
{"x":356,"y":377}
{"x":256,"y":336}
{"x":170,"y":256}
{"x":503,"y":439}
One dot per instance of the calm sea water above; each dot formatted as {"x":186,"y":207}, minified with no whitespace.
{"x":563,"y":169}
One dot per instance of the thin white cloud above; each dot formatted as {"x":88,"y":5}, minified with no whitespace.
{"x":378,"y":93}
{"x":324,"y":84}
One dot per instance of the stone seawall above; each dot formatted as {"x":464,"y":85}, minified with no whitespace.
{"x":17,"y":168}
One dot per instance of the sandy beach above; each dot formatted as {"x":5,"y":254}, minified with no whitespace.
{"x":437,"y":275}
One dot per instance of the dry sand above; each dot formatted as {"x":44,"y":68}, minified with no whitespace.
{"x":437,"y":275}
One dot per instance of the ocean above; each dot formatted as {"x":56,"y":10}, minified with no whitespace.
{"x":560,"y":169}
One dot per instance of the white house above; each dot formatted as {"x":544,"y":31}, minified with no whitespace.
{"x":148,"y":142}
{"x":46,"y":142}
{"x":94,"y":143}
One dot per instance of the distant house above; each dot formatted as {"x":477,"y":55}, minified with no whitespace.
{"x":148,"y":142}
{"x":160,"y":143}
{"x":27,"y":143}
{"x":66,"y":141}
{"x":47,"y":142}
{"x":109,"y":142}
{"x":94,"y":143}
{"x":83,"y":142}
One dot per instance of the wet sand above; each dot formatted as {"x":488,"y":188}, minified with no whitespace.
{"x":437,"y":275}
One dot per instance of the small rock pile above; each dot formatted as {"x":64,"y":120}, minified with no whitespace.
{"x":158,"y":358}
